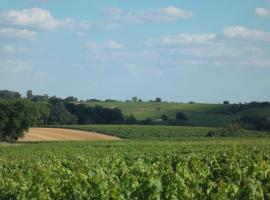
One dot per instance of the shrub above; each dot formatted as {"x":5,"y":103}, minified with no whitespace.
{"x":131,"y":120}
{"x":229,"y":130}
{"x":181,"y":116}
{"x":164,"y":117}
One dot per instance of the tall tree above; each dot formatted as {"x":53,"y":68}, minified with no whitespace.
{"x":29,"y":94}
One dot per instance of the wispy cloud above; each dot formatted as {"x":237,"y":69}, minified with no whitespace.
{"x":183,"y":38}
{"x":110,"y":44}
{"x":85,"y":25}
{"x":262,"y":12}
{"x":10,"y":49}
{"x":118,"y":16}
{"x":245,"y":33}
{"x":18,"y":33}
{"x":35,"y":18}
{"x":14,"y":66}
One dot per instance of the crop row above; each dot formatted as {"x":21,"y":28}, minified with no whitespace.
{"x":136,"y":170}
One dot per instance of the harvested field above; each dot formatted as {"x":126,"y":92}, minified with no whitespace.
{"x":59,"y":134}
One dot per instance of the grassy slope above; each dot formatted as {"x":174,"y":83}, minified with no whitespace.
{"x":198,"y":114}
{"x":156,"y":132}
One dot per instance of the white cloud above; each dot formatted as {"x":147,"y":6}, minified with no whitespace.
{"x":34,"y":17}
{"x":262,"y":12}
{"x":14,"y":66}
{"x":110,"y":44}
{"x":170,"y":13}
{"x":85,"y":25}
{"x":18,"y":33}
{"x":81,"y":33}
{"x":138,"y":69}
{"x":183,"y":38}
{"x":245,"y":33}
{"x":8,"y":48}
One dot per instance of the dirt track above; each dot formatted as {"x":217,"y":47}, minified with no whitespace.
{"x":58,"y":134}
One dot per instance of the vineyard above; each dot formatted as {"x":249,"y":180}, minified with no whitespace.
{"x":205,"y":169}
{"x":156,"y":132}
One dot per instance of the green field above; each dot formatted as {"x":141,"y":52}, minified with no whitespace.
{"x":198,"y":114}
{"x":145,"y":132}
{"x":153,"y":110}
{"x":205,"y":169}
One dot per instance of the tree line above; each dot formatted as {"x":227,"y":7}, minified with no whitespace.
{"x":17,"y":114}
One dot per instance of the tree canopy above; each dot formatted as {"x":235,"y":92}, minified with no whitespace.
{"x":16,"y":116}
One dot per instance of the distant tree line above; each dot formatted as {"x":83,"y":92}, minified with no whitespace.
{"x":251,"y":121}
{"x":254,"y":122}
{"x":17,"y":114}
{"x":236,"y":108}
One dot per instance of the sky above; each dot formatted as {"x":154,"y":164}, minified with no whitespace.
{"x":177,"y":50}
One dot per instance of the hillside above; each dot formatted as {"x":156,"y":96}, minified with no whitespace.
{"x":199,"y":114}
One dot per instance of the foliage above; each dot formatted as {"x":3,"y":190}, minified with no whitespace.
{"x":134,"y":99}
{"x":158,"y":99}
{"x":256,"y":122}
{"x":164,"y":117}
{"x":95,"y":115}
{"x":16,"y":116}
{"x":236,"y":108}
{"x":181,"y":116}
{"x":131,"y":120}
{"x":136,"y":170}
{"x":6,"y":94}
{"x":29,"y":94}
{"x":71,"y":99}
{"x":226,"y":102}
{"x":59,"y":114}
{"x":229,"y":130}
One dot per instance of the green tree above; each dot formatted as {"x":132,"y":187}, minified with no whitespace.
{"x":158,"y":99}
{"x":16,"y":116}
{"x":131,"y":119}
{"x":181,"y":116}
{"x":43,"y":113}
{"x":226,"y":102}
{"x":59,"y":114}
{"x":164,"y":117}
{"x":29,"y":94}
{"x":134,"y":99}
{"x":6,"y":94}
{"x":71,"y":99}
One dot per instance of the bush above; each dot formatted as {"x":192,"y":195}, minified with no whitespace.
{"x":256,"y":122}
{"x":147,"y":121}
{"x":226,"y":102}
{"x":131,"y":120}
{"x":164,"y":117}
{"x":181,"y":116}
{"x":229,"y":130}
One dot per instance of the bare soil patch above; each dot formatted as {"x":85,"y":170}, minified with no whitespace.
{"x":59,"y":134}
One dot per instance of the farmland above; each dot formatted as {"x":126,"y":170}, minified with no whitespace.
{"x":156,"y":132}
{"x":54,"y":134}
{"x":205,"y":169}
{"x":199,"y":114}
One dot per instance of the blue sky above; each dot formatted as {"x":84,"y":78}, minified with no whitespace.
{"x":177,"y":50}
